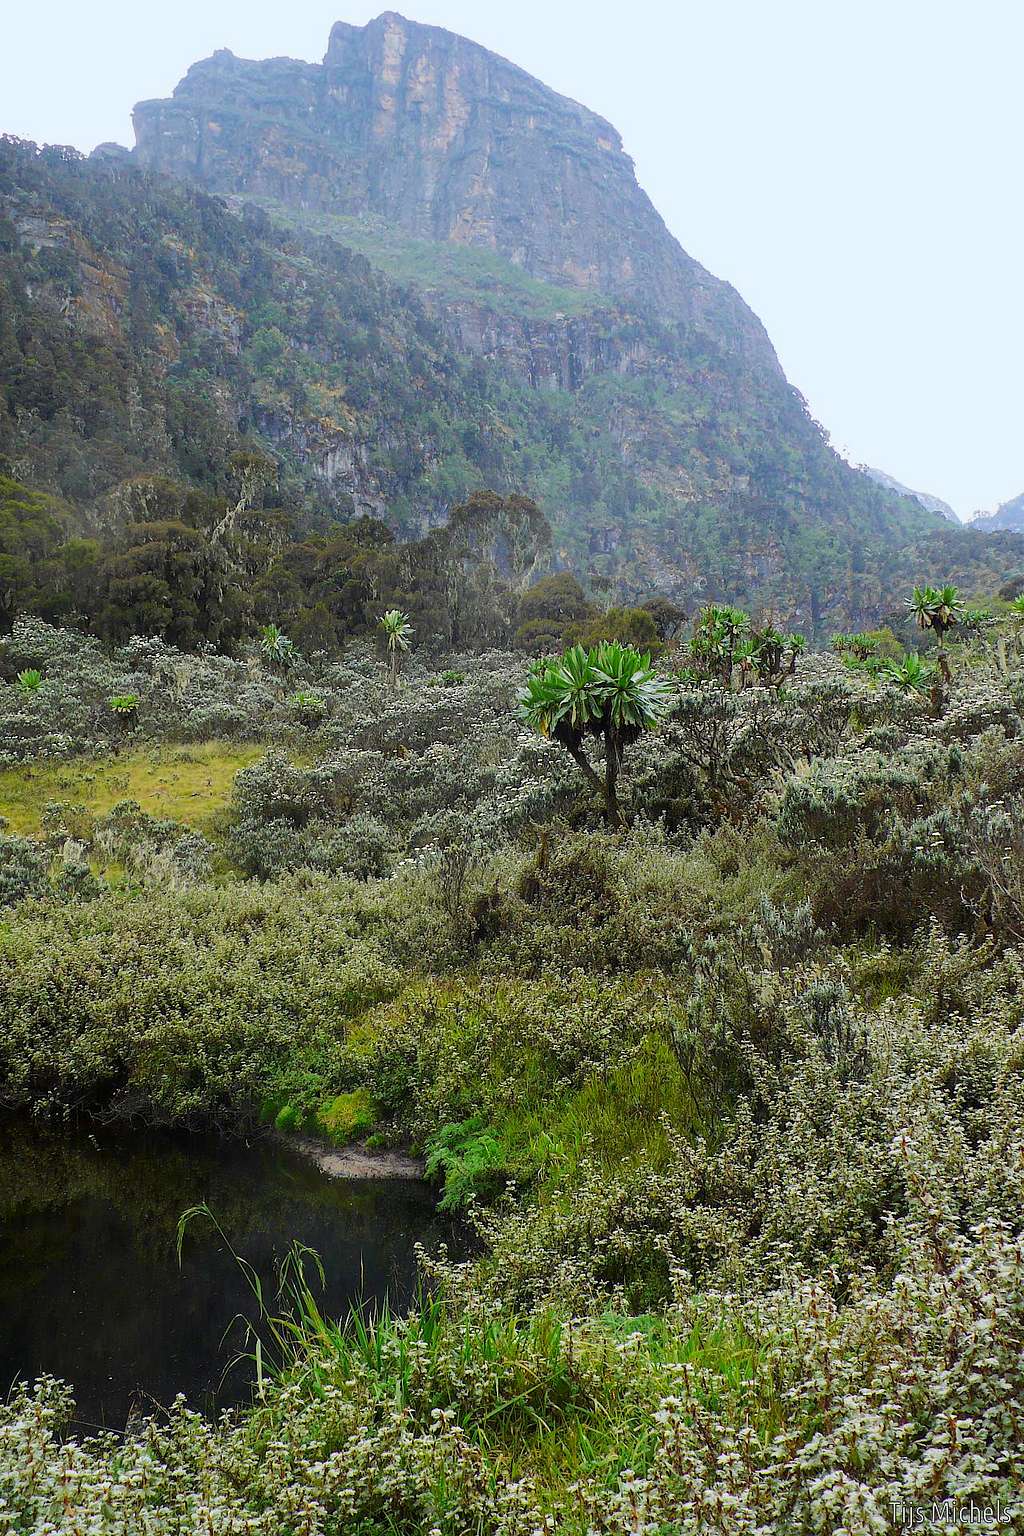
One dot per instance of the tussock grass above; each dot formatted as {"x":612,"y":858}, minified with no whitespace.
{"x":541,"y":1397}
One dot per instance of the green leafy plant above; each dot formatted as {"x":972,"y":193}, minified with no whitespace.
{"x":718,"y":643}
{"x":30,"y":680}
{"x":309,"y":708}
{"x":867,"y":650}
{"x":772,"y":656}
{"x":398,"y":638}
{"x":276,"y":648}
{"x":610,"y":693}
{"x":913,"y":674}
{"x":125,"y":709}
{"x":468,"y":1157}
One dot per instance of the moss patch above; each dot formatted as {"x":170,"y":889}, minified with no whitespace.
{"x":347,"y":1116}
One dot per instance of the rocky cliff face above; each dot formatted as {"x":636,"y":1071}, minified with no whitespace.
{"x":445,"y":141}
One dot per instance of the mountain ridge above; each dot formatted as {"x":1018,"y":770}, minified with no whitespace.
{"x":932,"y":503}
{"x":167,"y":311}
{"x":1009,"y":515}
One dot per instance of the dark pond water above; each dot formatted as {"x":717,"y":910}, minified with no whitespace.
{"x":90,"y":1286}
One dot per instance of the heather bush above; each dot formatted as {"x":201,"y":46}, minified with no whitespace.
{"x":23,"y":869}
{"x":855,"y":795}
{"x":363,"y":847}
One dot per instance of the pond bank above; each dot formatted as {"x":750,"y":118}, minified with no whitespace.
{"x":353,"y":1162}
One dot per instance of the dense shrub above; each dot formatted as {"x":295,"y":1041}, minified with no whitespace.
{"x":179,"y":1006}
{"x":23,"y":869}
{"x":856,"y":795}
{"x":363,"y":847}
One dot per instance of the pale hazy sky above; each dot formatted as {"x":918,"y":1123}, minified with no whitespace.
{"x":852,"y":166}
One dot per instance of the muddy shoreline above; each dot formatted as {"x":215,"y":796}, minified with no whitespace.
{"x":354,"y":1162}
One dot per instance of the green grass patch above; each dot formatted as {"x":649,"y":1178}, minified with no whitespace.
{"x":620,"y":1117}
{"x":553,"y":1401}
{"x":457,"y":271}
{"x":188,"y":784}
{"x":613,"y":1119}
{"x":613,"y":1430}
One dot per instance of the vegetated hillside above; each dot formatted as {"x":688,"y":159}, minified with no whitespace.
{"x":208,"y":413}
{"x":732,"y":1097}
{"x":1009,"y":516}
{"x":147,"y":327}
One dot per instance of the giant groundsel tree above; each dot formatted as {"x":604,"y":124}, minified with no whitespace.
{"x":398,"y":637}
{"x":939,"y":609}
{"x":610,"y":693}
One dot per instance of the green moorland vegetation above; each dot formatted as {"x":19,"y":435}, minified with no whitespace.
{"x":184,"y":784}
{"x":699,"y":983}
{"x":459,"y":272}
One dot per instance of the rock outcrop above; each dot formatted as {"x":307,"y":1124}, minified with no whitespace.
{"x":445,"y":141}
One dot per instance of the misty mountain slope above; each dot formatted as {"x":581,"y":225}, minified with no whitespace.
{"x":453,"y":282}
{"x":444,"y":141}
{"x":889,"y":483}
{"x":457,"y":172}
{"x":1009,"y":516}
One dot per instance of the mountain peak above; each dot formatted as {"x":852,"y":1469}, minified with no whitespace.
{"x":447,"y":142}
{"x":400,"y":31}
{"x":387,"y":21}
